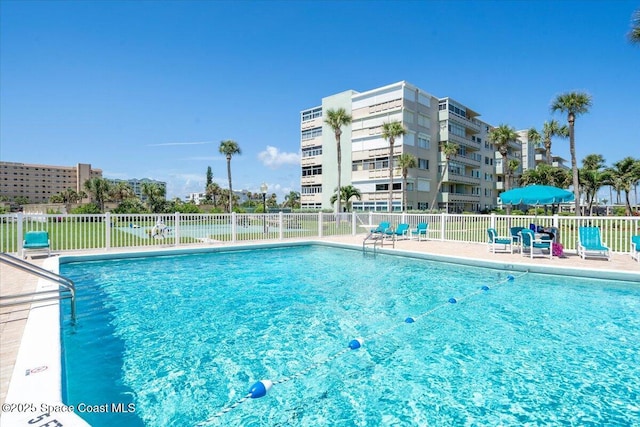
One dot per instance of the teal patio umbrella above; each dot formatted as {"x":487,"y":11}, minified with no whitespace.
{"x":536,"y":195}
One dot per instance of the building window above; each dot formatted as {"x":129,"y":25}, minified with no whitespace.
{"x":385,"y":187}
{"x":311,"y":133}
{"x":311,"y":170}
{"x":423,"y":164}
{"x":311,"y":114}
{"x":424,"y":142}
{"x":312,"y":151}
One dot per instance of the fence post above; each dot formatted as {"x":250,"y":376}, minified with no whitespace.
{"x":234,"y":227}
{"x":20,"y":236}
{"x":176,"y":229}
{"x":353,"y":223}
{"x":320,"y":224}
{"x":493,"y":220}
{"x":443,"y":220}
{"x":281,"y":225}
{"x":107,"y":230}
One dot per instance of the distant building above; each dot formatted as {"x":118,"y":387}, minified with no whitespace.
{"x":136,"y":185}
{"x":38,"y":183}
{"x":533,"y":155}
{"x":197,"y":198}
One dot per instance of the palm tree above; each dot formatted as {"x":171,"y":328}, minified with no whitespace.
{"x":533,"y":136}
{"x":155,"y":195}
{"x":502,"y":137}
{"x":99,"y":189}
{"x":336,"y":119}
{"x":347,"y":192}
{"x":292,"y":200}
{"x":390,"y":131}
{"x":406,"y":161}
{"x":229,"y":148}
{"x":212,"y":191}
{"x":549,"y":130}
{"x":121,"y":191}
{"x":449,"y":150}
{"x":634,"y":34}
{"x":625,"y":175}
{"x":574,"y":104}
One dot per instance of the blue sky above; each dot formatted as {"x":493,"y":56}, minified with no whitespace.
{"x":149,"y":89}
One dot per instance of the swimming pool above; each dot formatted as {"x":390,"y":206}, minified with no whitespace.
{"x":184,"y":337}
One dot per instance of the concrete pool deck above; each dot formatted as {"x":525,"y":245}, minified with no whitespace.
{"x":12,"y":281}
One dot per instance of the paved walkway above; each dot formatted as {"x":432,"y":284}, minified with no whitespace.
{"x":12,"y":281}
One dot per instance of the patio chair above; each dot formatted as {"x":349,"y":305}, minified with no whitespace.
{"x":401,"y":232}
{"x":420,"y":231}
{"x":515,"y":234}
{"x":590,"y":243}
{"x":532,"y":246}
{"x":36,"y":241}
{"x":382,"y":228}
{"x":499,"y":243}
{"x":635,"y":247}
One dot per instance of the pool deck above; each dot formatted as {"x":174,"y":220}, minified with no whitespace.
{"x":12,"y":281}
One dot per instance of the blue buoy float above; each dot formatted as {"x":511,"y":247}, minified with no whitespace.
{"x":261,"y":388}
{"x":356,"y":343}
{"x":485,"y":288}
{"x":453,"y":300}
{"x":409,"y":320}
{"x":510,"y":278}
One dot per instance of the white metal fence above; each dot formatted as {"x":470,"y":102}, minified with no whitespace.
{"x":109,"y":231}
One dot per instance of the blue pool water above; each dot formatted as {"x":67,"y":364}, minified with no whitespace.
{"x":184,"y":337}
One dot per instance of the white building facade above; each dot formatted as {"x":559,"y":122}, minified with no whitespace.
{"x":468,"y":184}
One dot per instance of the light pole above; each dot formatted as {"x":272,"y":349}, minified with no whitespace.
{"x":263,"y":190}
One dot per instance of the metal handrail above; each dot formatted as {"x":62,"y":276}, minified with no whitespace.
{"x":27,"y":298}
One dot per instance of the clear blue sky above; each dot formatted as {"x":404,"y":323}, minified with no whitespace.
{"x":149,"y":89}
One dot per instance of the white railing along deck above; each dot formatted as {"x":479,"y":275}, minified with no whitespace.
{"x":109,"y":231}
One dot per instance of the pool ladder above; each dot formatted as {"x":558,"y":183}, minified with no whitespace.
{"x":66,"y":290}
{"x":375,"y":238}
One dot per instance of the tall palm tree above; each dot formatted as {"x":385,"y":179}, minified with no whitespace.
{"x":229,"y":148}
{"x":634,"y":34}
{"x":121,"y":191}
{"x":390,"y":131}
{"x":502,"y":137}
{"x":449,"y":150}
{"x":549,"y":130}
{"x":346,"y":194}
{"x":573,"y":104}
{"x":335,"y":120}
{"x":99,"y":189}
{"x":534,"y":137}
{"x":212,"y":191}
{"x":406,"y":161}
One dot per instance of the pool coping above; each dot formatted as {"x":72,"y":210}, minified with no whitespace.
{"x":36,"y":382}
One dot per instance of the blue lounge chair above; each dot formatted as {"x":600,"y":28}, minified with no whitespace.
{"x":532,"y":246}
{"x":515,"y":234}
{"x":401,"y":232}
{"x":382,"y":228}
{"x":36,"y":241}
{"x":635,"y":247}
{"x":420,"y":231}
{"x":499,"y":243}
{"x":590,"y":243}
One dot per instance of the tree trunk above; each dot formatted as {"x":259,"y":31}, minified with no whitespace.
{"x":574,"y":164}
{"x":338,"y":204}
{"x":230,"y":190}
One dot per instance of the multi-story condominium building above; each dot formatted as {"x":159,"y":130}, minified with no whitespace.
{"x":37,"y":183}
{"x":534,"y":154}
{"x":468,"y":184}
{"x":136,"y":185}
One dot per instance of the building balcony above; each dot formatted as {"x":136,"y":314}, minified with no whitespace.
{"x":499,"y":185}
{"x":459,"y":197}
{"x":311,"y":160}
{"x":465,"y":160}
{"x":463,"y":141}
{"x":470,"y":124}
{"x":461,"y":179}
{"x":311,"y":180}
{"x":312,"y":142}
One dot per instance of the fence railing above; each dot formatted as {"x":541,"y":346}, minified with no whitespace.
{"x":111,"y":231}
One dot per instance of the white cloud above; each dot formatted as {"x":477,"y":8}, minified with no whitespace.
{"x":273,"y":158}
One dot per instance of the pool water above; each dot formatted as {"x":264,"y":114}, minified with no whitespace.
{"x":184,"y":337}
